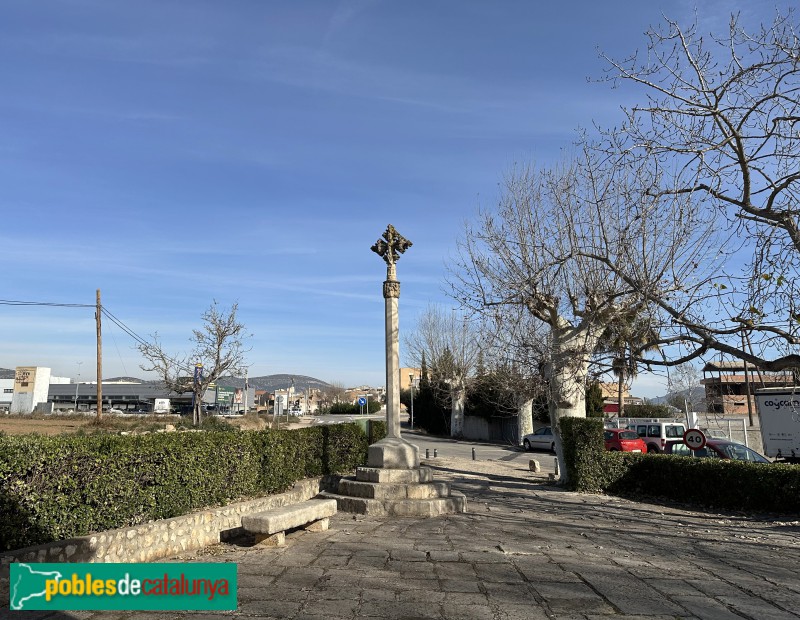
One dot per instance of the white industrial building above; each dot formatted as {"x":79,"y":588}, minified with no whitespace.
{"x":28,"y":389}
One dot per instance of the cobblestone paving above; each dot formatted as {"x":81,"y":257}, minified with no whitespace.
{"x":525,"y":550}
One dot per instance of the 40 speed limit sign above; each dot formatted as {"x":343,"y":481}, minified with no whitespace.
{"x":694,"y":439}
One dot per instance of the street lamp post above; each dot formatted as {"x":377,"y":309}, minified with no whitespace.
{"x":77,"y":383}
{"x":411,"y":381}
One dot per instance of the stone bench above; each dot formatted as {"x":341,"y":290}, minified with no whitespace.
{"x":270,"y":526}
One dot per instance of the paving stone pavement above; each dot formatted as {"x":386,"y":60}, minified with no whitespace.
{"x":524,"y":550}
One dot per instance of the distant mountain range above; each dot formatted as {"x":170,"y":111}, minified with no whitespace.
{"x":695,"y":395}
{"x":269,"y":383}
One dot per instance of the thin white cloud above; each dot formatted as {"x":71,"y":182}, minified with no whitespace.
{"x":346,"y":11}
{"x":168,"y":49}
{"x":323,"y":70}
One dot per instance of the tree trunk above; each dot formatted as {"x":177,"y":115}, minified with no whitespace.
{"x":458,"y":400}
{"x":566,"y":373}
{"x":524,"y":419}
{"x":196,"y":408}
{"x":620,"y":391}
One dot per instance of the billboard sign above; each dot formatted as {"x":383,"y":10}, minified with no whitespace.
{"x":224,"y":395}
{"x":24,"y":378}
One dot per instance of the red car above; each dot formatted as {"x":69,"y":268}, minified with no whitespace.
{"x":623,"y":440}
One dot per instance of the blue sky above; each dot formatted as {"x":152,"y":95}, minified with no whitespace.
{"x":173,"y":152}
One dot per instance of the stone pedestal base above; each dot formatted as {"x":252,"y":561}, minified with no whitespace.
{"x":393,"y":453}
{"x":407,"y":492}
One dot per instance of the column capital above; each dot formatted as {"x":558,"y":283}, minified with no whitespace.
{"x":391,"y":288}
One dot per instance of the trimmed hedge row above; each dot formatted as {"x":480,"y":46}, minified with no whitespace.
{"x":53,"y":488}
{"x":711,"y":483}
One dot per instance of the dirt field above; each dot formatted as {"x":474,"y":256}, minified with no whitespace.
{"x":23,"y":425}
{"x":58,"y":425}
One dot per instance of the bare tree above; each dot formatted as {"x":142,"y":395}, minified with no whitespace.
{"x":514,"y":347}
{"x":684,"y":381}
{"x":335,"y":391}
{"x":450,"y":345}
{"x":218,"y":351}
{"x":720,"y":123}
{"x":575,"y":247}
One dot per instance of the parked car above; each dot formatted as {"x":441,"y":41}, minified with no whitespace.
{"x":542,"y":439}
{"x":623,"y":440}
{"x":717,"y":449}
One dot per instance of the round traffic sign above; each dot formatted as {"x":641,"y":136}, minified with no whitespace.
{"x":694,"y":439}
{"x":362,"y":401}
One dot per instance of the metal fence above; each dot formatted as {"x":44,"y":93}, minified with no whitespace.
{"x":734,"y":428}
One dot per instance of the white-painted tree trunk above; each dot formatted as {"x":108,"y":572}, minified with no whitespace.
{"x":525,"y":419}
{"x":458,"y":397}
{"x":566,"y":373}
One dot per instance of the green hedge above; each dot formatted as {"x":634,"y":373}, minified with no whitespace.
{"x":649,"y":411}
{"x":53,"y":488}
{"x":373,"y":406}
{"x":711,"y":483}
{"x":582,"y":442}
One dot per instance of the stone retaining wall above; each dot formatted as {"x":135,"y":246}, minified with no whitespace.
{"x":159,"y":539}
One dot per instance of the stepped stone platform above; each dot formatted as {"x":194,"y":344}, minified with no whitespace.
{"x":406,"y":492}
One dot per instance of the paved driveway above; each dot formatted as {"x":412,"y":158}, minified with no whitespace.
{"x":526,"y":550}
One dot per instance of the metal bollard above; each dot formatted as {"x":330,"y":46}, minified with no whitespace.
{"x":435,"y":453}
{"x":427,"y":453}
{"x":555,"y":465}
{"x":473,"y":454}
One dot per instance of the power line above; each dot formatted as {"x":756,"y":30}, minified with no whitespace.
{"x":118,"y":322}
{"x":123,"y":327}
{"x":13,"y":302}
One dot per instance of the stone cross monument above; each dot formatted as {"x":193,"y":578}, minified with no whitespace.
{"x":392,"y":452}
{"x":393,"y":483}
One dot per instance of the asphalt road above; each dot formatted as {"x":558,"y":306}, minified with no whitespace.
{"x":446,"y":447}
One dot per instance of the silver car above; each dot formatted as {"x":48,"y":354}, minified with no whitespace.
{"x":542,"y":439}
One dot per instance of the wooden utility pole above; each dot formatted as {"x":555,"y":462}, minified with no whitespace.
{"x":99,"y":358}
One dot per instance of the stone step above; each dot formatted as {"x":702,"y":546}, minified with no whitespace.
{"x":431,"y":507}
{"x":394,"y":476}
{"x":377,"y":490}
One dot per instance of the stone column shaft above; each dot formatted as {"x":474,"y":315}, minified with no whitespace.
{"x":392,"y":365}
{"x":392,"y":452}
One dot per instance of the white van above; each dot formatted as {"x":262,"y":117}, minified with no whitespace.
{"x":655,"y":433}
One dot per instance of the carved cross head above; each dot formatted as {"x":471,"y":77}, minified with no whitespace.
{"x":390,"y":247}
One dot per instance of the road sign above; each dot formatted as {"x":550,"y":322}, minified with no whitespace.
{"x":694,"y":439}
{"x":362,"y":401}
